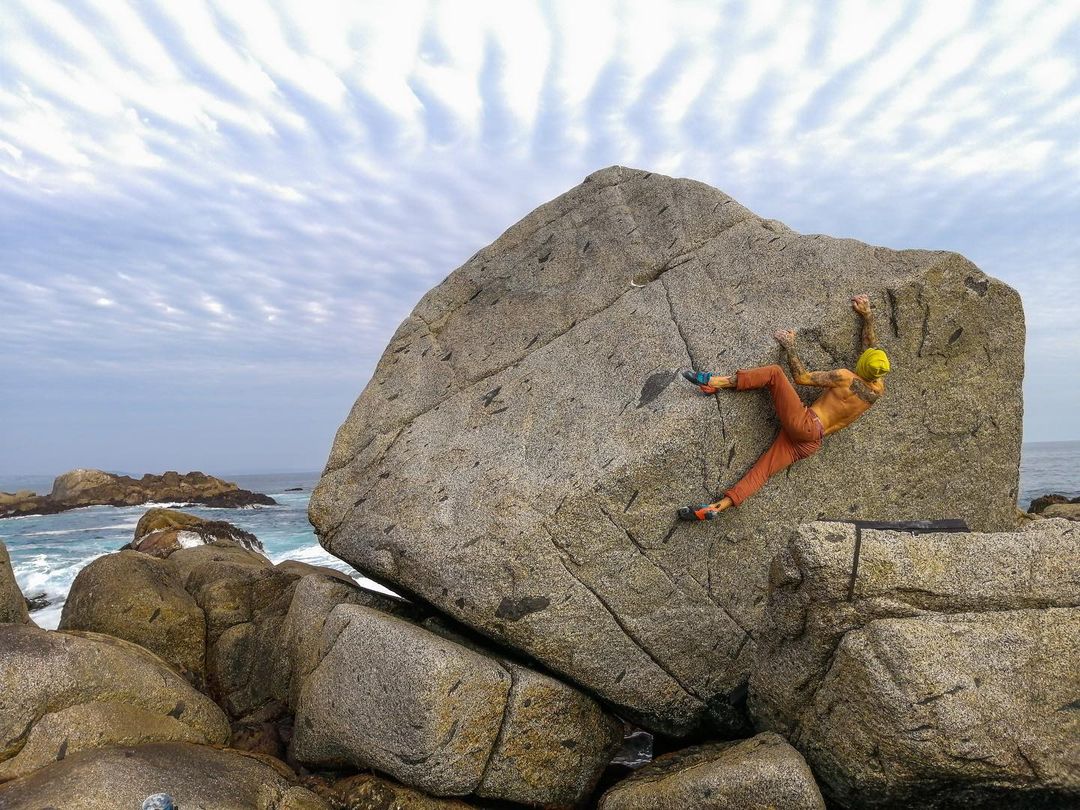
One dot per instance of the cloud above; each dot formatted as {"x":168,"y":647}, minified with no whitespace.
{"x":263,"y":190}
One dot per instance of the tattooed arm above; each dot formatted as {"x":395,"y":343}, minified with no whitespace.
{"x":861,"y":304}
{"x":823,"y":379}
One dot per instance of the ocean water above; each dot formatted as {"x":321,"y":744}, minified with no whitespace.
{"x":48,"y":551}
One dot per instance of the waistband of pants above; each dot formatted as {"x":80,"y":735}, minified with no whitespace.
{"x":817,"y":419}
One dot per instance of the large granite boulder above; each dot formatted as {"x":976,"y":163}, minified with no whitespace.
{"x":65,"y":692}
{"x":445,"y":718}
{"x":762,"y":773}
{"x":12,"y":602}
{"x":197,"y":777}
{"x":518,"y":455}
{"x":140,"y":599}
{"x":160,"y":532}
{"x":943,"y":674}
{"x":98,"y":488}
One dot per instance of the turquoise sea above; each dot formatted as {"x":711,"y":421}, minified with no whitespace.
{"x":48,"y":551}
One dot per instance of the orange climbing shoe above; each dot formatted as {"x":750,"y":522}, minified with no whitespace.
{"x":703,"y":512}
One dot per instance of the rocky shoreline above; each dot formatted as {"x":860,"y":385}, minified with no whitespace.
{"x":512,"y":469}
{"x":79,"y":488}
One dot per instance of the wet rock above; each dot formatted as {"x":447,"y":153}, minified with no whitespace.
{"x":940,"y":676}
{"x":1043,"y":501}
{"x":140,"y":599}
{"x":461,"y":476}
{"x":762,"y":773}
{"x":13,"y":607}
{"x":1068,"y":511}
{"x":162,"y":531}
{"x":98,"y":488}
{"x":61,"y":693}
{"x":37,"y":601}
{"x":195,"y":776}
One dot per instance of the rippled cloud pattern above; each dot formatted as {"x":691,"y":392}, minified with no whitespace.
{"x":213,"y":215}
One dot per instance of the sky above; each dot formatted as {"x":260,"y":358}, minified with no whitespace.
{"x":214,"y":215}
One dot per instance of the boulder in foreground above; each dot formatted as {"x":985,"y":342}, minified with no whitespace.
{"x":196,"y":776}
{"x":445,"y":718}
{"x":944,"y":675}
{"x":519,"y":453}
{"x":140,"y":599}
{"x":65,"y":692}
{"x":762,"y":773}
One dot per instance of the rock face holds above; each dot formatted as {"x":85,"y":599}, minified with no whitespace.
{"x":761,"y":773}
{"x":445,"y":718}
{"x":98,"y":488}
{"x":12,"y":602}
{"x":519,"y":453}
{"x":194,"y":775}
{"x":62,"y":692}
{"x":943,"y":676}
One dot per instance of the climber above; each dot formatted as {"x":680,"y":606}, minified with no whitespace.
{"x":846,"y":396}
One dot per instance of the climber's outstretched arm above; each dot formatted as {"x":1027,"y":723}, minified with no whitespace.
{"x":823,"y":379}
{"x":861,"y":304}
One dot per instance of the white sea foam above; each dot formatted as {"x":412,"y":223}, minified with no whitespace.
{"x":81,"y":531}
{"x":317,"y":555}
{"x":189,"y":539}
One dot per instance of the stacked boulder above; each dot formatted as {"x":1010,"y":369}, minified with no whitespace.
{"x":61,"y":693}
{"x":351,"y":678}
{"x":446,"y":718}
{"x":943,"y":674}
{"x":195,"y":776}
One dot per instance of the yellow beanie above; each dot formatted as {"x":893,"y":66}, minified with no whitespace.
{"x":873,"y":363}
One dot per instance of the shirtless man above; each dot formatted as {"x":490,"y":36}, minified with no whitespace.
{"x":846,"y":396}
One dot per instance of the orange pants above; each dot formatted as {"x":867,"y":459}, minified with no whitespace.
{"x":800,"y":433}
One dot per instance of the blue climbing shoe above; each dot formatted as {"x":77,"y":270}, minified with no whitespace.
{"x":701,"y":380}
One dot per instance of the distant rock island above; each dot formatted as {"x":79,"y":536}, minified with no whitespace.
{"x":98,"y":488}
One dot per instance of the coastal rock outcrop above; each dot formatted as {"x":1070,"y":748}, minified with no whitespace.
{"x":61,"y":693}
{"x":160,"y":532}
{"x":140,"y":599}
{"x":444,"y":718}
{"x":99,"y":488}
{"x":13,"y":605}
{"x":517,"y":457}
{"x":941,"y":674}
{"x":762,"y":773}
{"x":194,"y":775}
